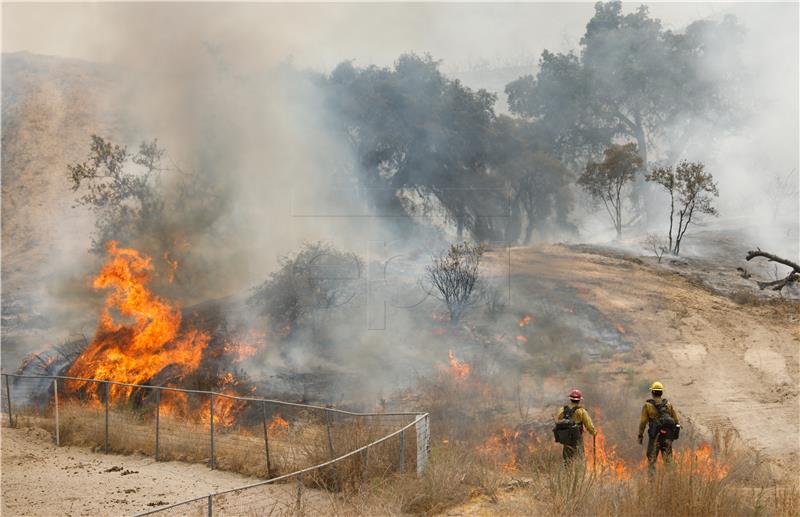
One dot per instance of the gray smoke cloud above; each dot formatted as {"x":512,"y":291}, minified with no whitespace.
{"x":219,"y":86}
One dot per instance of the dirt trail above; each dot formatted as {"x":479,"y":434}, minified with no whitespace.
{"x":727,"y":366}
{"x":39,"y":478}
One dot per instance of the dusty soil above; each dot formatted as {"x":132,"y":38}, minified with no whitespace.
{"x":725,"y":365}
{"x":39,"y":478}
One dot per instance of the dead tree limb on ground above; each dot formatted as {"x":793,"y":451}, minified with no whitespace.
{"x":776,"y":285}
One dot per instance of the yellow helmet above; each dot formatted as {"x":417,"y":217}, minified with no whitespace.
{"x":656,"y":386}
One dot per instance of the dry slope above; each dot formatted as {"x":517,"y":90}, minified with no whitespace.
{"x":727,"y":366}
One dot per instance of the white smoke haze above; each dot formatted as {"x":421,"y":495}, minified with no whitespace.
{"x":221,"y":87}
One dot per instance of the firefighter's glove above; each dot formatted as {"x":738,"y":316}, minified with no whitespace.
{"x":640,"y":439}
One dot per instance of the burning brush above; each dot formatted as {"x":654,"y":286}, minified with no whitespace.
{"x":142,"y":338}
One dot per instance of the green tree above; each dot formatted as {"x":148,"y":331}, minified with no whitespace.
{"x":538,"y":184}
{"x":160,"y":210}
{"x":416,"y":135}
{"x":632,"y":79}
{"x":125,"y":200}
{"x":424,"y":142}
{"x":691,"y":194}
{"x":314,"y":280}
{"x":606,"y":181}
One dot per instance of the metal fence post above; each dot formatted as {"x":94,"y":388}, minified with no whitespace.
{"x":8,"y":399}
{"x":402,"y":466}
{"x":211,"y":410}
{"x":266,"y":436}
{"x":210,"y":501}
{"x":422,"y":431}
{"x":331,"y":452}
{"x":55,"y":403}
{"x":158,"y":423}
{"x":299,"y":494}
{"x":330,"y":437}
{"x":108,"y":396}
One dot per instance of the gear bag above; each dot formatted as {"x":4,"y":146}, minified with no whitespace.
{"x":664,"y":426}
{"x":566,"y":431}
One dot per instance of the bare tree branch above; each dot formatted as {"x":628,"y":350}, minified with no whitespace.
{"x":776,"y":285}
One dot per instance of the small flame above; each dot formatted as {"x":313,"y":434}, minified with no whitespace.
{"x":702,"y":462}
{"x":507,"y":448}
{"x":606,"y":458}
{"x":173,"y":267}
{"x":522,"y":339}
{"x":526,"y":319}
{"x":458,"y":369}
{"x":239,"y":350}
{"x":620,"y":328}
{"x":277,"y":426}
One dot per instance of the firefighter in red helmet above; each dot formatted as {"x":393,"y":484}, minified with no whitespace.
{"x":571,"y":420}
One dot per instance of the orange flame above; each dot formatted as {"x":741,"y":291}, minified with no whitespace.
{"x":506,"y":448}
{"x":134,"y":352}
{"x":173,"y":267}
{"x":239,"y":350}
{"x":458,"y":369}
{"x":607,"y":460}
{"x":174,"y":403}
{"x":620,"y":328}
{"x":701,"y":462}
{"x":526,"y":319}
{"x":277,"y":426}
{"x":225,"y":410}
{"x":522,"y":339}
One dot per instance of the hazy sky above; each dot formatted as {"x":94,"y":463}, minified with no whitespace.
{"x":321,"y":35}
{"x":169,"y":51}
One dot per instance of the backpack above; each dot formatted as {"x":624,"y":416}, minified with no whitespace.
{"x":664,"y":426}
{"x":566,"y":431}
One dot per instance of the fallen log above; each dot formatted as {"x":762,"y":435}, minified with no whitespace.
{"x":779,"y":284}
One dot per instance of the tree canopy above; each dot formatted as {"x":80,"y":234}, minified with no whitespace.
{"x":631,"y":79}
{"x":606,"y":181}
{"x":424,"y":141}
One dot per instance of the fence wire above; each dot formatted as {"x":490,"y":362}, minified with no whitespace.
{"x":294,"y":447}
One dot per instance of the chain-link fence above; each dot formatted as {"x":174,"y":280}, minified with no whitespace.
{"x":310,"y":446}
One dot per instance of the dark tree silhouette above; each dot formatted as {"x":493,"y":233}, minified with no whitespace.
{"x":606,"y":181}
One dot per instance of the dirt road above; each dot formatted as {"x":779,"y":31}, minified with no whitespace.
{"x":730,"y":366}
{"x":39,"y":478}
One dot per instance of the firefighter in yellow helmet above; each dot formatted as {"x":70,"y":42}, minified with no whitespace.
{"x":578,"y":418}
{"x":663,"y":427}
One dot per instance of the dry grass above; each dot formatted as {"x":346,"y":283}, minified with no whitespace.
{"x":720,"y":478}
{"x":454,"y":474}
{"x":730,"y":482}
{"x":675,"y":492}
{"x":239,"y":449}
{"x":368,"y":468}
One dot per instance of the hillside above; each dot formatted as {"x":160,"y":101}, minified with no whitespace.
{"x":727,"y":366}
{"x":51,"y":106}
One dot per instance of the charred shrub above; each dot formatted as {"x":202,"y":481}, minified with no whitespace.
{"x":318,"y":277}
{"x":453,"y":277}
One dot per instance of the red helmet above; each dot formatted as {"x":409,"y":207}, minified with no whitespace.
{"x":575,"y":395}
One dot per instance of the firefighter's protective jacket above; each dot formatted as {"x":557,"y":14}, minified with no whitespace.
{"x":650,"y":414}
{"x":579,"y":416}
